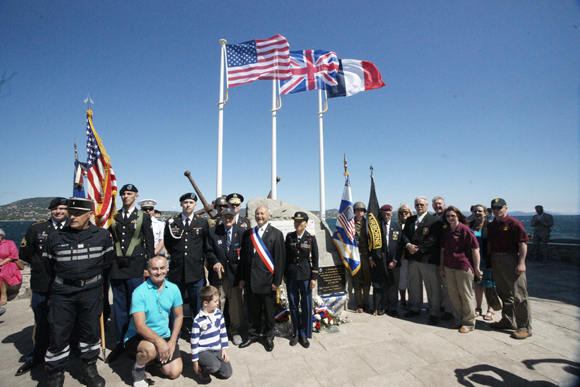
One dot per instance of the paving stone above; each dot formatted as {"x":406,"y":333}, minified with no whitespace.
{"x":432,"y":348}
{"x":388,"y":356}
{"x":338,"y":367}
{"x":282,"y":372}
{"x":399,"y":379}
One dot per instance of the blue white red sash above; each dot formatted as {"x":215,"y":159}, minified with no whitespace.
{"x":262,"y":250}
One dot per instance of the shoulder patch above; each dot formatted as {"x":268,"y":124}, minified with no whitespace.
{"x":40,"y":222}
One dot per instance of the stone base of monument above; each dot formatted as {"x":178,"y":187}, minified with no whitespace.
{"x":332,"y":278}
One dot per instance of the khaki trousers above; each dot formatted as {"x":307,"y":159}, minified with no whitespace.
{"x":420,"y":273}
{"x":460,"y":288}
{"x":233,"y":296}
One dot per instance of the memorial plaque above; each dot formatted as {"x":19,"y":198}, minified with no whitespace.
{"x":331,"y":280}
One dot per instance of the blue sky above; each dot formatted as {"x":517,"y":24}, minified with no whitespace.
{"x":482,"y":100}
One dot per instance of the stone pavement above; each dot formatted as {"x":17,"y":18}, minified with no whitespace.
{"x":372,"y":351}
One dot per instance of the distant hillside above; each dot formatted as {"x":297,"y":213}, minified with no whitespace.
{"x":26,"y":209}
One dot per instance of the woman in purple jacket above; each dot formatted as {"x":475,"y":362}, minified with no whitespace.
{"x":459,"y":264}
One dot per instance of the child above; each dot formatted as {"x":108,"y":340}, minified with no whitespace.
{"x":209,"y":339}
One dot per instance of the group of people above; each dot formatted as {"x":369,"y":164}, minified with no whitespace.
{"x":74,"y":265}
{"x":452,"y":257}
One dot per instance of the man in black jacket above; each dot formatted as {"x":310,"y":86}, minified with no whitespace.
{"x":225,"y":242}
{"x":261,"y":271}
{"x":31,"y":250}
{"x":134,"y":244}
{"x":420,"y":236}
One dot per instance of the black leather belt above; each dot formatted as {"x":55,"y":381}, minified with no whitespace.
{"x":81,"y":283}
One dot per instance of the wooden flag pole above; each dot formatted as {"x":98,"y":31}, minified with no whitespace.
{"x":221,"y":104}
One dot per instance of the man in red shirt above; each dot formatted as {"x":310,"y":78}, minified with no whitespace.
{"x":507,"y":241}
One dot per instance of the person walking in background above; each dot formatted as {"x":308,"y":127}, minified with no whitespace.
{"x":459,"y":264}
{"x":479,"y":227}
{"x":9,"y":273}
{"x":542,"y":224}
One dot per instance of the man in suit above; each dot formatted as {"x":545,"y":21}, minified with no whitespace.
{"x":542,"y":224}
{"x":31,"y":250}
{"x":186,"y":241}
{"x":386,"y":265}
{"x":224,"y":245}
{"x":261,"y":271}
{"x":235,"y":200}
{"x":134,"y":244}
{"x":420,"y":236}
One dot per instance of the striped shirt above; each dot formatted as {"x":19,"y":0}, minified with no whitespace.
{"x":208,"y":333}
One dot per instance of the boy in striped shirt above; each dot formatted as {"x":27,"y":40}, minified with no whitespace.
{"x":209,"y":338}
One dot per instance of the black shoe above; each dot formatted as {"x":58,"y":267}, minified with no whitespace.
{"x":115,"y":353}
{"x":293,"y":341}
{"x":304,"y":342}
{"x":394,"y":313}
{"x":90,"y":376}
{"x":433,"y":320}
{"x":447,"y":316}
{"x":26,"y":367}
{"x":380,"y":312}
{"x":269,"y":344}
{"x":56,"y":380}
{"x":247,"y":343}
{"x":411,"y":313}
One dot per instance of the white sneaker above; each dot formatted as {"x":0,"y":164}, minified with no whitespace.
{"x":237,"y":340}
{"x":139,"y":378}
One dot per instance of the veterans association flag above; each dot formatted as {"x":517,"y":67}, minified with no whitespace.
{"x":101,"y":181}
{"x":344,"y":236}
{"x":373,"y":222}
{"x":258,"y":59}
{"x":311,"y":69}
{"x":355,"y":76}
{"x":79,"y":179}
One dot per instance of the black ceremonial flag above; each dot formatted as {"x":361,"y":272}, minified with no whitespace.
{"x":374,"y":228}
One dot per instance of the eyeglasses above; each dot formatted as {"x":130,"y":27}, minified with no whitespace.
{"x":420,"y":205}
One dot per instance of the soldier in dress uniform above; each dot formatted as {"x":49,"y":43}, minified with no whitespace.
{"x":148,"y":206}
{"x":186,"y":240}
{"x":31,"y":250}
{"x":235,"y":200}
{"x":78,"y":256}
{"x":133,"y":236}
{"x":301,"y":274}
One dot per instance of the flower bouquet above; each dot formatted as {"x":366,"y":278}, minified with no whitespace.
{"x":325,"y":318}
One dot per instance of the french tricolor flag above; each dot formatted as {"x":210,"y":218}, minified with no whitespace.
{"x":355,"y":76}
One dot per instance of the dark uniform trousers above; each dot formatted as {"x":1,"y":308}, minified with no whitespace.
{"x":122,"y":294}
{"x":261,"y":304}
{"x":64,"y":308}
{"x":41,"y":334}
{"x":299,"y":292}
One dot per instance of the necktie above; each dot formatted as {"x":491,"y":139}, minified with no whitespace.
{"x":125,"y":215}
{"x":186,"y":222}
{"x":229,"y":239}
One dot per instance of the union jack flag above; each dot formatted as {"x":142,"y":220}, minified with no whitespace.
{"x":311,"y":69}
{"x":102,"y":183}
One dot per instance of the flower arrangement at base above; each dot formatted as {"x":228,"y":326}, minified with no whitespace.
{"x":324,"y":317}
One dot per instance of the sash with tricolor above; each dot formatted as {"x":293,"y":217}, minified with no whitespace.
{"x":262,"y":250}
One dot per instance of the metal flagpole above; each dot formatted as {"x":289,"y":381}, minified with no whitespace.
{"x":221,"y":104}
{"x":321,"y":144}
{"x":275,"y":108}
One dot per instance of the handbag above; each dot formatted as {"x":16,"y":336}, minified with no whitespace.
{"x":19,"y":264}
{"x":492,"y":298}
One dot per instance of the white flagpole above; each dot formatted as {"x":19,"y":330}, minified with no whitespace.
{"x":275,"y":108}
{"x":221,"y":104}
{"x":321,"y":144}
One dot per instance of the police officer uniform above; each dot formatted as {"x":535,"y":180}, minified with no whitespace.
{"x":77,"y":259}
{"x":186,"y":242}
{"x":301,"y":268}
{"x":236,"y":198}
{"x":31,"y":251}
{"x":128,"y":268}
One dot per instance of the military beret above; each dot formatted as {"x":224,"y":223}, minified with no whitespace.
{"x":189,"y":195}
{"x":498,"y":203}
{"x":228,"y":211}
{"x":235,"y":198}
{"x":80,"y":204}
{"x":300,"y":216}
{"x":128,"y":187}
{"x":57,"y":202}
{"x":387,"y":207}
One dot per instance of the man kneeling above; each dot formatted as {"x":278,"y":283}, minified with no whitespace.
{"x":149,"y":337}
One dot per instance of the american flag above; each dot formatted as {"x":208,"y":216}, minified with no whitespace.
{"x":101,"y":182}
{"x":258,"y":59}
{"x":346,"y":220}
{"x":311,"y":69}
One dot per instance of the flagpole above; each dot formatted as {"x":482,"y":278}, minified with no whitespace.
{"x":321,"y":153}
{"x":275,"y":108}
{"x":221,"y":104}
